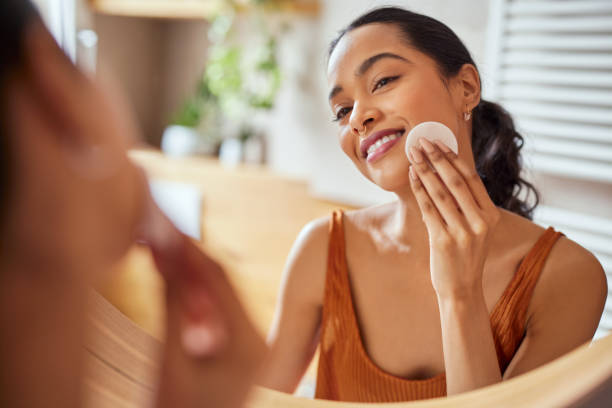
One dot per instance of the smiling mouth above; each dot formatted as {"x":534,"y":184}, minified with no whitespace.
{"x":381,"y":144}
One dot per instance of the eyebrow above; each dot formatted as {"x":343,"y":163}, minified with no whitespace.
{"x":337,"y":89}
{"x":366,"y":65}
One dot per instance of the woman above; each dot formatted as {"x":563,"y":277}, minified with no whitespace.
{"x":72,"y":204}
{"x":451,"y":287}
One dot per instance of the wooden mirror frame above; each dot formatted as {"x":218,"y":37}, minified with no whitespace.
{"x":122,"y":362}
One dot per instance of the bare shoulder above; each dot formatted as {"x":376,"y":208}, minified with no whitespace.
{"x":572,"y":287}
{"x":314,"y":232}
{"x":305,"y":268}
{"x":313,"y":239}
{"x":567,"y":302}
{"x":574,"y":270}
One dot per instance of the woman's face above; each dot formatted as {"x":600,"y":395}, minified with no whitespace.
{"x":380,"y":86}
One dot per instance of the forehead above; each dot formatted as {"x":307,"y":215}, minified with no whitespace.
{"x":361,"y":43}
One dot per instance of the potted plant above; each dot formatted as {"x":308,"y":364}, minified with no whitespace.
{"x":241,"y":78}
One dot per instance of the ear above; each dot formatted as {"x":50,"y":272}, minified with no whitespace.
{"x":59,"y":85}
{"x":468,"y":87}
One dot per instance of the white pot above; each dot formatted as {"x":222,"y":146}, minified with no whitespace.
{"x":231,"y":152}
{"x":184,"y":141}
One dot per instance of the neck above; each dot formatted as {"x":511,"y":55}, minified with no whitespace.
{"x":407,"y":226}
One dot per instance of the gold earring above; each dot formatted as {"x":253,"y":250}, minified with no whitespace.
{"x":467,"y":115}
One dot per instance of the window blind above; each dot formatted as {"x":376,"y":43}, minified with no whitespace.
{"x":549,"y":63}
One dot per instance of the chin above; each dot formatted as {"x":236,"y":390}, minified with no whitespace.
{"x":393,"y":185}
{"x":392,"y":175}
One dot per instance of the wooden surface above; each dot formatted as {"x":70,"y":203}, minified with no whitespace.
{"x":187,"y":9}
{"x":122,"y":360}
{"x":121,"y":357}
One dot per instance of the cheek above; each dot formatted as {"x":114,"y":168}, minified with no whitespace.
{"x":424,"y":101}
{"x":347,"y":143}
{"x":424,"y":98}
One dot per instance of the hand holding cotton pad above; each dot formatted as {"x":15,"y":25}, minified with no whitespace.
{"x":431,"y":131}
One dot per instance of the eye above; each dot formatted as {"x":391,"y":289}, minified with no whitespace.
{"x":341,"y":114}
{"x":384,"y":81}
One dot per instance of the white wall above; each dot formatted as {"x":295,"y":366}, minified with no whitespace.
{"x":303,"y":139}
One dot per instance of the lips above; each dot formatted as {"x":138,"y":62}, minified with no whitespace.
{"x":375,"y":137}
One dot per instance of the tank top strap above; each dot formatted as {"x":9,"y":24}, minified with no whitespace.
{"x":508,"y":318}
{"x":337,"y":300}
{"x":336,"y":256}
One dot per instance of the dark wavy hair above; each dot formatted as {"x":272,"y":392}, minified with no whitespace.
{"x":14,"y":17}
{"x":496,"y":144}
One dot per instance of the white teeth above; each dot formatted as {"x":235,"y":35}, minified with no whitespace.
{"x":383,"y":140}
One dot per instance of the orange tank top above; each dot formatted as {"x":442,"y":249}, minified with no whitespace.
{"x":346,"y":372}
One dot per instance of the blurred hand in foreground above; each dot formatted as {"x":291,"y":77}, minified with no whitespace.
{"x":76,"y":204}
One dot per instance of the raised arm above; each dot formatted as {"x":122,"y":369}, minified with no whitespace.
{"x":294,"y":334}
{"x":566,"y":304}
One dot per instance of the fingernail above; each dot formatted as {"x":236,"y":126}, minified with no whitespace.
{"x":429,"y":148}
{"x":413,"y":173}
{"x":416,"y":155}
{"x":198,"y":341}
{"x":442,"y":146}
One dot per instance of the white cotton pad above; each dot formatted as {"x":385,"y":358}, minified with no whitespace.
{"x":431,"y":131}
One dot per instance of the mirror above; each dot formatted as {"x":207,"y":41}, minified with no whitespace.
{"x":550,"y":385}
{"x":519,"y":76}
{"x":390,"y":287}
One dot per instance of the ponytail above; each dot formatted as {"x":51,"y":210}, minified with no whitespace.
{"x":496,"y":146}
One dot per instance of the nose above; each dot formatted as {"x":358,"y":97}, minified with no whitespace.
{"x":361,"y":117}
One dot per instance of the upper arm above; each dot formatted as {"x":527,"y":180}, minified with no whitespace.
{"x":565,"y":309}
{"x":293,"y":336}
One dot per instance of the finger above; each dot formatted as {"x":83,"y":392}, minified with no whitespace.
{"x":190,"y":278}
{"x":472,"y":179}
{"x":438,"y":193}
{"x":203,"y":332}
{"x":432,"y":218}
{"x":453,"y":180}
{"x":158,"y":232}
